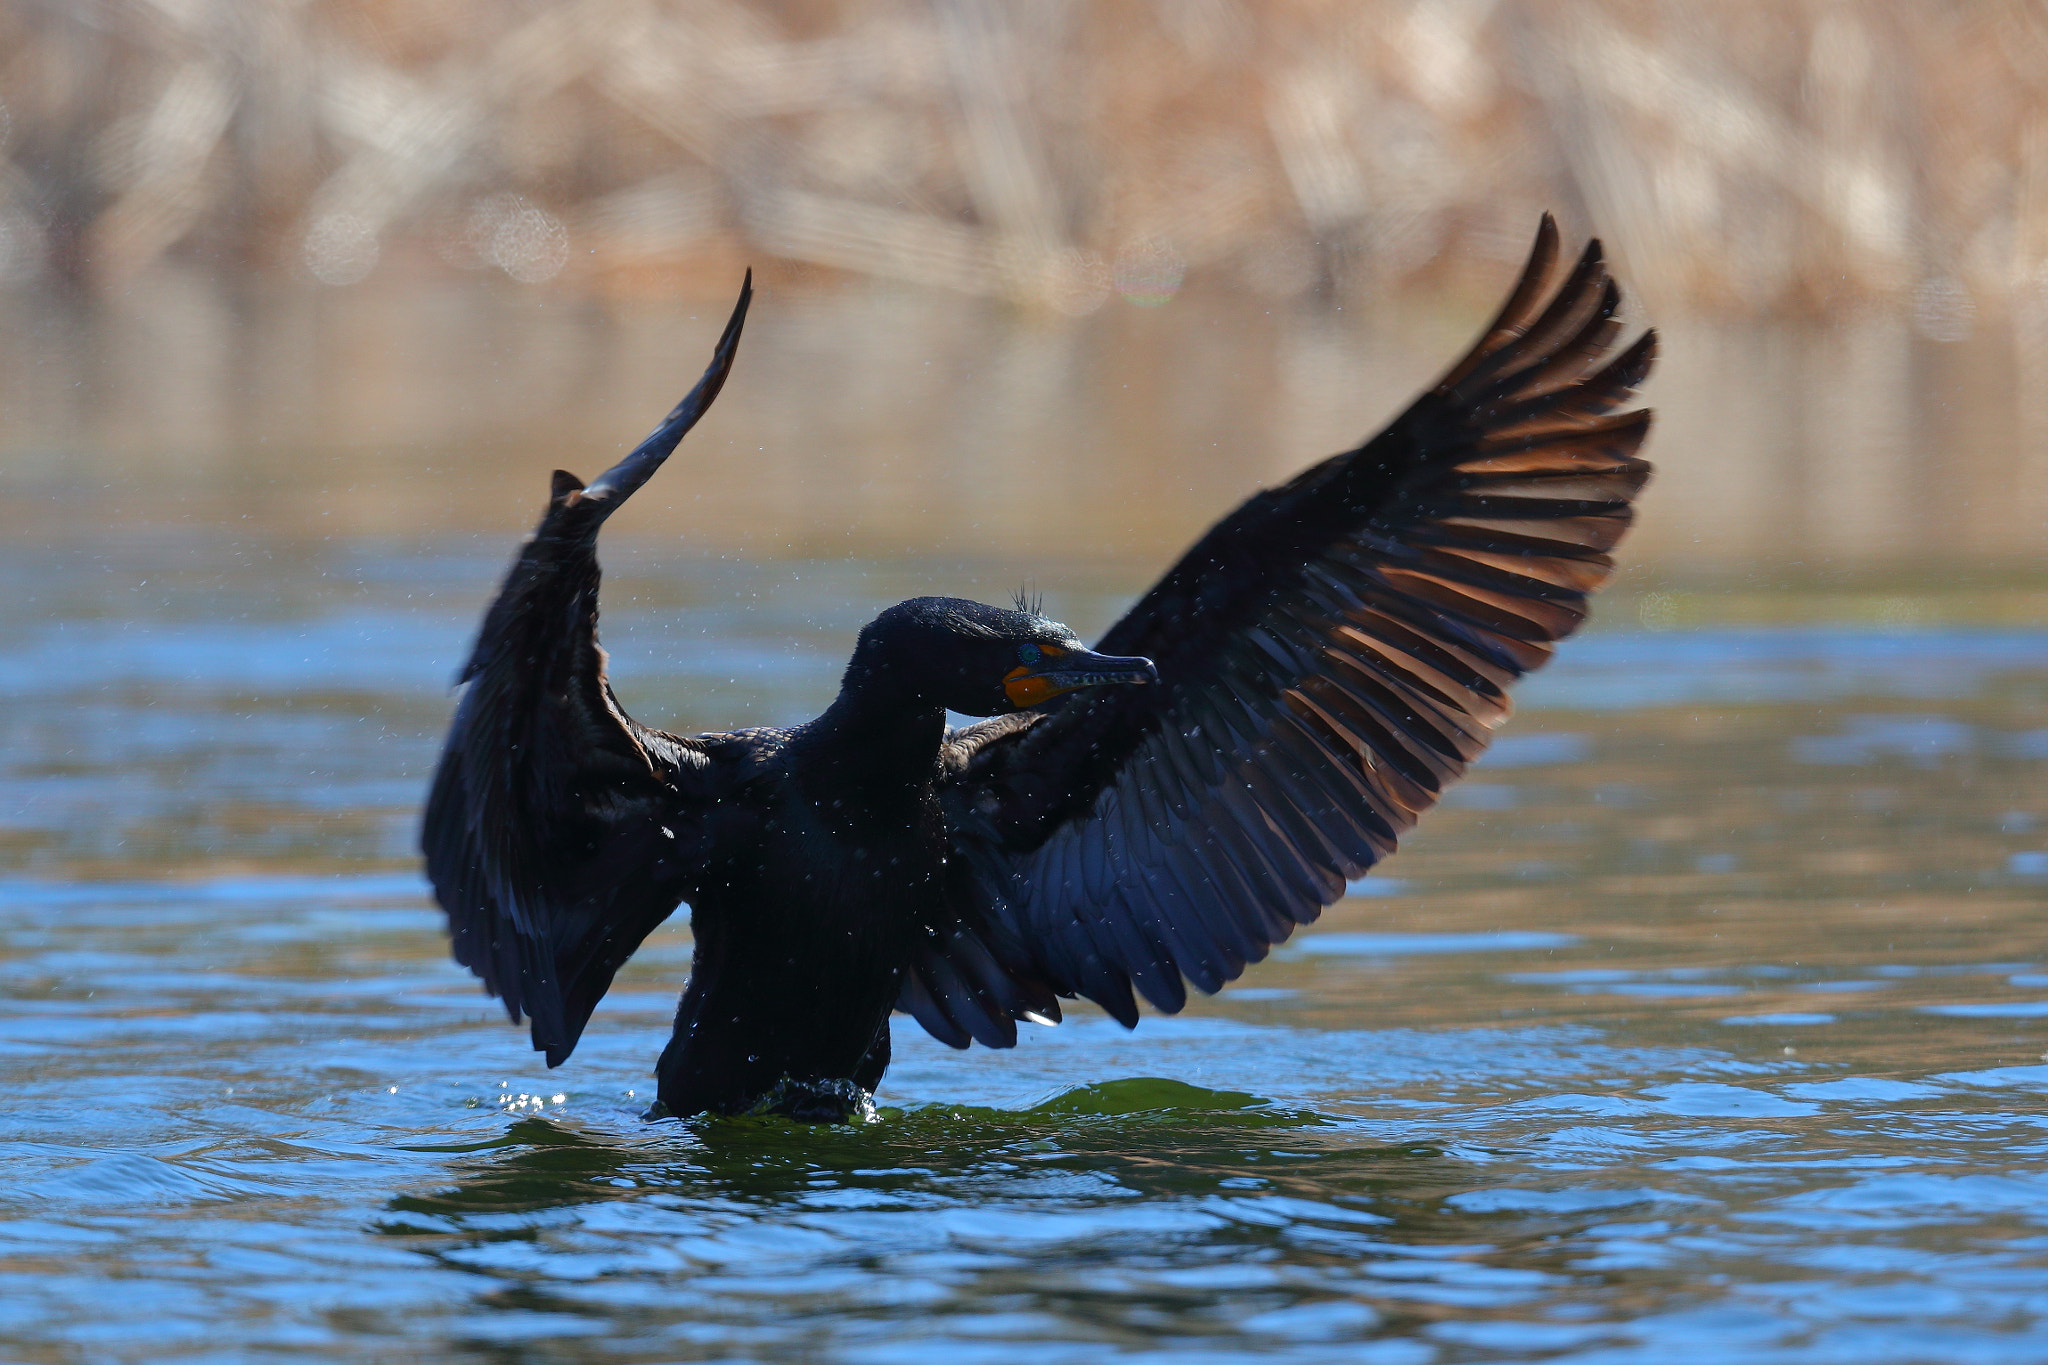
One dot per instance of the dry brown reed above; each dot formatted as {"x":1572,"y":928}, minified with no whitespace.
{"x":1749,"y":158}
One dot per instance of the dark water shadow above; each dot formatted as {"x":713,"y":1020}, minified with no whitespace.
{"x":1133,"y":1212}
{"x":1144,"y":1138}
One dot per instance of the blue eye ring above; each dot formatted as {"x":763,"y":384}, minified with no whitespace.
{"x":1029,"y":653}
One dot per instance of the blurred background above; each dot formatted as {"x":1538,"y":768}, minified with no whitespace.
{"x":1033,"y":278}
{"x":1704,"y":1013}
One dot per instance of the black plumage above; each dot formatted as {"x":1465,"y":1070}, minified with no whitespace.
{"x":1316,"y":669}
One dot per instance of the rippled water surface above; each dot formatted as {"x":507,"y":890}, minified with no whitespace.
{"x":1706,"y":1021}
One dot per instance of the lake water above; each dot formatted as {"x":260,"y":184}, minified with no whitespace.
{"x":1706,"y":1021}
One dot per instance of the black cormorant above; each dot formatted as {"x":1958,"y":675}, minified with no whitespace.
{"x":1260,"y":728}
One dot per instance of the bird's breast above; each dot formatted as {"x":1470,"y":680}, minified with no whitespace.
{"x":816,"y":874}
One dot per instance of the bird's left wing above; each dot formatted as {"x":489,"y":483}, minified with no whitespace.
{"x":559,"y":831}
{"x":1331,"y":655}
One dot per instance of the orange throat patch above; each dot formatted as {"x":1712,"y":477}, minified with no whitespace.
{"x":1026,"y":690}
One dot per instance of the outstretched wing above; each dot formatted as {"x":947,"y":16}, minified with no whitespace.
{"x":1332,"y":654}
{"x":559,"y":832}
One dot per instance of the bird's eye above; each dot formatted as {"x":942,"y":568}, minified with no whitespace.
{"x":1029,"y":654}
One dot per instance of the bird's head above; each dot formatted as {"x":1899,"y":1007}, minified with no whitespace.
{"x":980,"y":660}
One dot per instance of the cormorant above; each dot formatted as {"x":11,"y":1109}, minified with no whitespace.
{"x":1257,"y":730}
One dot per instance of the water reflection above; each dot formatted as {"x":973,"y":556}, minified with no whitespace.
{"x":1705,"y":1022}
{"x":1117,"y":1137}
{"x":1481,"y":1146}
{"x":1123,"y":1209}
{"x":1134,"y":1209}
{"x":874,"y":420}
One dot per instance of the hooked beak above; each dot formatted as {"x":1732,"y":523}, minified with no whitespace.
{"x":1072,"y":669}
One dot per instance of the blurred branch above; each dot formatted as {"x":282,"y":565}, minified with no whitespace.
{"x":1764,"y":156}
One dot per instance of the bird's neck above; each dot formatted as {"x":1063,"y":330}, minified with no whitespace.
{"x":874,"y":747}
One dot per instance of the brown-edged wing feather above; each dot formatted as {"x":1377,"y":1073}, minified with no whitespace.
{"x":559,"y":832}
{"x":1332,"y":655}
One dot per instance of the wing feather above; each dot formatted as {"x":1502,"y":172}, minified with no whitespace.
{"x":558,"y":832}
{"x":1333,"y":654}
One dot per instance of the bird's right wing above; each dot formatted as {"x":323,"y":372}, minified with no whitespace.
{"x":559,"y":832}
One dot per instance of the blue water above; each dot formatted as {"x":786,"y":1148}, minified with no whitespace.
{"x":1706,"y":1023}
